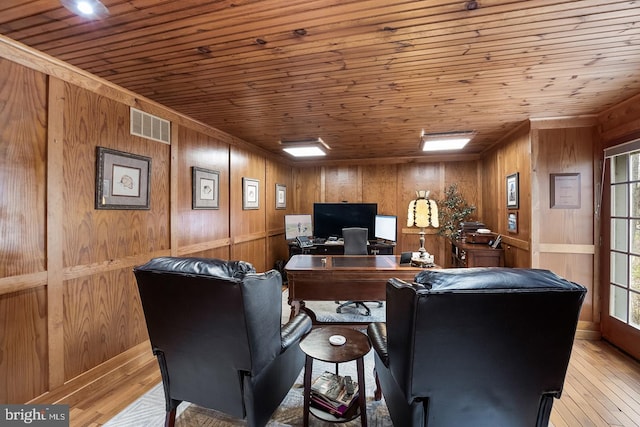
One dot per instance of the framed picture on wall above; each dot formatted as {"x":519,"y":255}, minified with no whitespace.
{"x":564,"y":190}
{"x":512,"y":191}
{"x":250,"y":193}
{"x":512,"y":222}
{"x":206,"y":188}
{"x":122,"y":180}
{"x":281,"y":196}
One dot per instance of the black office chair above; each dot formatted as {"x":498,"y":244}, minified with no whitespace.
{"x":355,"y":243}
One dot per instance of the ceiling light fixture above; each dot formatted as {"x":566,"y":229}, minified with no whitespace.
{"x":305,"y":148}
{"x":91,"y":9}
{"x":444,"y":141}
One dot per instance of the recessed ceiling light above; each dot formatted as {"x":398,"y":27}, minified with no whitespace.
{"x":91,"y":9}
{"x":305,"y":148}
{"x":445,"y":141}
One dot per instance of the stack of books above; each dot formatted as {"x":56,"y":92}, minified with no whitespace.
{"x":335,"y":394}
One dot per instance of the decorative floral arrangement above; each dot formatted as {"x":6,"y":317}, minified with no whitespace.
{"x":453,"y":210}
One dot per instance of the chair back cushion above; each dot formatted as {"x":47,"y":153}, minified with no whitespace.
{"x":355,"y":240}
{"x":214,"y":321}
{"x":482,"y":343}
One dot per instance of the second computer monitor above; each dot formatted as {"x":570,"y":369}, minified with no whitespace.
{"x":386,"y":227}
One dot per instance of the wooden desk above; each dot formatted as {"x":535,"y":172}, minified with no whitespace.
{"x":337,"y":248}
{"x":475,"y":255}
{"x":342,"y":277}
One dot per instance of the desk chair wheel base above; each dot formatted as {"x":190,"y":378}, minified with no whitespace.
{"x":367,"y":311}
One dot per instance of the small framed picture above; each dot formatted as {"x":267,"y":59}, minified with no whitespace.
{"x":512,"y":191}
{"x":250,"y":193}
{"x":122,"y":180}
{"x":564,"y":190}
{"x":281,"y":196}
{"x":512,"y":222}
{"x":206,"y":188}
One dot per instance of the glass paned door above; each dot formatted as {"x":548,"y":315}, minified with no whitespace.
{"x":624,"y":296}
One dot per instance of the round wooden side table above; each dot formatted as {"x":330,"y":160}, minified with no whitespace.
{"x":316,"y":346}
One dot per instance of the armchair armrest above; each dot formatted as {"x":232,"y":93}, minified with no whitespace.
{"x":294,"y":330}
{"x":378,"y":336}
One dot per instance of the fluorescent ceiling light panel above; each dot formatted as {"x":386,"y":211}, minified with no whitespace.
{"x":310,"y":151}
{"x":445,"y":141}
{"x":305,"y":148}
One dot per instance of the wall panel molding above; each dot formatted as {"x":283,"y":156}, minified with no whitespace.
{"x":23,"y":282}
{"x":201,"y":247}
{"x":78,"y":271}
{"x":565,"y":248}
{"x":55,"y":232}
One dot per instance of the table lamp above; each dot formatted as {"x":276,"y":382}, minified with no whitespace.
{"x":423,"y":213}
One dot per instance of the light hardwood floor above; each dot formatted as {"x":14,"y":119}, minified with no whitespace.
{"x":602,"y":388}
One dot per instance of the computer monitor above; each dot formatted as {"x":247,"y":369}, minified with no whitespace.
{"x":298,"y":225}
{"x":386,"y":227}
{"x":330,"y":218}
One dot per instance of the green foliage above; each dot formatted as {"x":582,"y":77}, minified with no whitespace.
{"x":453,"y":209}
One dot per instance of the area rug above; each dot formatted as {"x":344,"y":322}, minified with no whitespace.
{"x":149,"y":411}
{"x":325,"y":311}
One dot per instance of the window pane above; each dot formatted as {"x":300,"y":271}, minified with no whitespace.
{"x":619,"y":168}
{"x":635,"y":272}
{"x":619,"y":200}
{"x":635,"y":200}
{"x":619,"y":234}
{"x":619,"y":268}
{"x":635,"y":236}
{"x":635,"y":166}
{"x":634,"y":307}
{"x":618,"y":303}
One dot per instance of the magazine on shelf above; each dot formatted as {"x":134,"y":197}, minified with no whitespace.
{"x":341,"y":411}
{"x":330,"y":393}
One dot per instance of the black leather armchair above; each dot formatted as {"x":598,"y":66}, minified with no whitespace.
{"x":475,"y":347}
{"x":215,"y":327}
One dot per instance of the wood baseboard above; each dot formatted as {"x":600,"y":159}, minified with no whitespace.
{"x":104,"y":376}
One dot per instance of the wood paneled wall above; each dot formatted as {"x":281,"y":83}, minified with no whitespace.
{"x":392,"y":187}
{"x":201,"y":231}
{"x":70,"y":315}
{"x":511,"y":155}
{"x":561,"y":240}
{"x":23,"y":293}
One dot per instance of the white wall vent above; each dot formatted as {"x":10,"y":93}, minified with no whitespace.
{"x":149,"y":126}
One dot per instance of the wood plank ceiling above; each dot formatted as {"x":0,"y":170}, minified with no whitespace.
{"x":364,"y":75}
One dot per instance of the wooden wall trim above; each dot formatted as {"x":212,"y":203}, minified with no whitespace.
{"x":55,"y":232}
{"x":564,"y":248}
{"x":103,"y":376}
{"x":78,"y":271}
{"x":586,"y":120}
{"x":204,"y":246}
{"x":173,"y":189}
{"x":23,"y":282}
{"x":516,"y":243}
{"x":275,"y":232}
{"x":249,"y":237}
